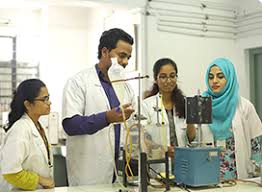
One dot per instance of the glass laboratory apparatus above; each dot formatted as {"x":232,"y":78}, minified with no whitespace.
{"x":148,"y":143}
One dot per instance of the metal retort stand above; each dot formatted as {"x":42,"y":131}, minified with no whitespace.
{"x":140,"y":165}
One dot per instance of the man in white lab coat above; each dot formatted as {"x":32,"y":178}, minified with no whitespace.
{"x":90,"y":105}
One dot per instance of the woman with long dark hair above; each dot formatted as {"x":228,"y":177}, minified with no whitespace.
{"x":165,"y":106}
{"x":25,"y":155}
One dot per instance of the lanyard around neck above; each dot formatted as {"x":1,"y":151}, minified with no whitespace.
{"x":42,"y":133}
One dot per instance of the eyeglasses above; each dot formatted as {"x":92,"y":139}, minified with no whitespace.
{"x":164,"y":78}
{"x":45,"y":99}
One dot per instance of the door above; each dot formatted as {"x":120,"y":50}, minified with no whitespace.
{"x":256,"y":79}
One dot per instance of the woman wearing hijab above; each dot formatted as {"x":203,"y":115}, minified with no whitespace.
{"x":235,"y":123}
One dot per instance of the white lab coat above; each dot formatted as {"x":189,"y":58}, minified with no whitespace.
{"x":148,"y":106}
{"x":90,"y":159}
{"x":159,"y":135}
{"x":23,"y":149}
{"x":246,"y":125}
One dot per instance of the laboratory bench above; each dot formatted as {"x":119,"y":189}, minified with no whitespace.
{"x":61,"y":181}
{"x":238,"y":187}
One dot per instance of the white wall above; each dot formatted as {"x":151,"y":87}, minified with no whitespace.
{"x":191,"y":54}
{"x":249,"y":41}
{"x":25,"y":24}
{"x":122,"y":4}
{"x":72,"y":40}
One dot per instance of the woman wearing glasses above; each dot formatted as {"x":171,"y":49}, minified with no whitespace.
{"x":235,"y":123}
{"x":25,"y":154}
{"x":164,"y":108}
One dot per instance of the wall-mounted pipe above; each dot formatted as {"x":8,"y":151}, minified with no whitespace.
{"x":251,"y":29}
{"x":190,"y":12}
{"x":192,"y":9}
{"x":206,"y":22}
{"x":4,"y":21}
{"x":203,"y":34}
{"x":248,"y":19}
{"x":242,"y":35}
{"x":196,"y":4}
{"x":188,"y":15}
{"x":249,"y":24}
{"x":6,"y":36}
{"x":201,"y":21}
{"x":249,"y":15}
{"x":199,"y":28}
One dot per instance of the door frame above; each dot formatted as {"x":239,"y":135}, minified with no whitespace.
{"x":252,"y":54}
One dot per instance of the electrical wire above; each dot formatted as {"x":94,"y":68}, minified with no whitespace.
{"x":113,"y":156}
{"x":111,"y":148}
{"x":165,"y":181}
{"x":245,"y":181}
{"x":158,"y":175}
{"x":228,"y":183}
{"x":128,"y":152}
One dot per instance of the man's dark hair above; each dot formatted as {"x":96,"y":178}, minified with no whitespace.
{"x":110,"y":38}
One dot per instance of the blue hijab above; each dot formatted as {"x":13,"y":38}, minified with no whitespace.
{"x":225,"y":102}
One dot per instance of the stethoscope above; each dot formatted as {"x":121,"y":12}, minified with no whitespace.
{"x":158,"y":112}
